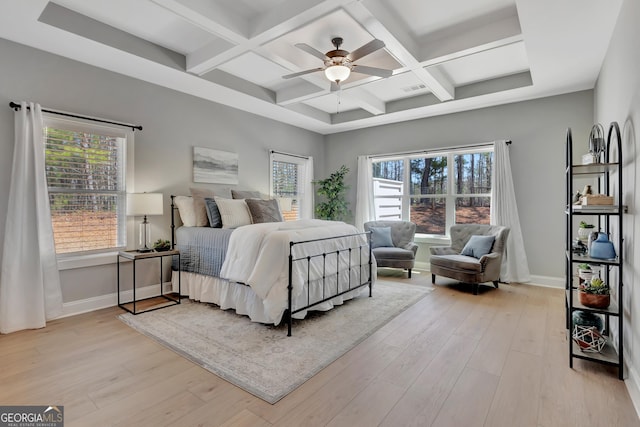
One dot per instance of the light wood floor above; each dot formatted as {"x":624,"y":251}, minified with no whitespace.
{"x":453,"y":359}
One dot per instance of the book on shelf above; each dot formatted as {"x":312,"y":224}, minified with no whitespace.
{"x":601,"y":208}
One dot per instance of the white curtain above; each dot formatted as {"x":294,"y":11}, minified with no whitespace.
{"x":504,"y":211}
{"x":307,"y":208}
{"x":365,"y":209}
{"x":29,"y":280}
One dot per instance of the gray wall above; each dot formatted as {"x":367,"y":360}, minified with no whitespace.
{"x":537,"y":129}
{"x":617,"y":98}
{"x":173,"y":123}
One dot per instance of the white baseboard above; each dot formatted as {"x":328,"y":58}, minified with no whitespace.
{"x":110,"y":300}
{"x":632,"y":382}
{"x":547,"y":281}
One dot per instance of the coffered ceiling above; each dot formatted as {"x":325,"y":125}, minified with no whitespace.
{"x":446,"y":55}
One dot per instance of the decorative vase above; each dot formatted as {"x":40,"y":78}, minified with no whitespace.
{"x":587,"y":319}
{"x":594,"y":300}
{"x":584,"y":275}
{"x":602,"y":248}
{"x":583,"y":233}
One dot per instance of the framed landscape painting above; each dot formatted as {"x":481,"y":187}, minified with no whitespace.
{"x":215,"y":166}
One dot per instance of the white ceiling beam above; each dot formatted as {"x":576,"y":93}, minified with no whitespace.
{"x":376,"y":19}
{"x":366,"y":100}
{"x":302,"y":91}
{"x":436,"y":60}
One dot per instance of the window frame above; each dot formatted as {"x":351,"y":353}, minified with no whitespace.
{"x":102,"y":256}
{"x":304,"y":179}
{"x":451,"y":195}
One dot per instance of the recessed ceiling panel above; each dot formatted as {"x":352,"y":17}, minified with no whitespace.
{"x":489,"y":64}
{"x":333,"y":103}
{"x":256,"y":69}
{"x":428,"y":16}
{"x":146,"y":20}
{"x":249,"y":9}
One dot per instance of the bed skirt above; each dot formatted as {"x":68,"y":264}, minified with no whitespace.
{"x":242,"y":299}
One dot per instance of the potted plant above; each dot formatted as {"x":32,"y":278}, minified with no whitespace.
{"x":584,"y":273}
{"x":584,"y":229}
{"x":594,"y":293}
{"x":162,"y":245}
{"x":333,"y":189}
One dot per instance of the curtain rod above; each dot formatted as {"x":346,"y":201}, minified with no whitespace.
{"x":289,"y":154}
{"x":437,"y":150}
{"x":17,"y":107}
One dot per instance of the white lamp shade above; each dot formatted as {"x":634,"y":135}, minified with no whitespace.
{"x":337,"y":73}
{"x":139,"y":204}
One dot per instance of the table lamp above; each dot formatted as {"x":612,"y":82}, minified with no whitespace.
{"x":143,"y":204}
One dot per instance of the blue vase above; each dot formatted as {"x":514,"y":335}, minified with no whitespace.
{"x":602,"y":248}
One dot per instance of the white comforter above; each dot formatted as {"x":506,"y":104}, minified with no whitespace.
{"x":258,"y":256}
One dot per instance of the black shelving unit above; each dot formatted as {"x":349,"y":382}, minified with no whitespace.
{"x":609,"y":221}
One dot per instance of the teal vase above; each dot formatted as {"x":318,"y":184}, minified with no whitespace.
{"x":602,"y":248}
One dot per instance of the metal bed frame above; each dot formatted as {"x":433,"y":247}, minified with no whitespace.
{"x":326,"y":296}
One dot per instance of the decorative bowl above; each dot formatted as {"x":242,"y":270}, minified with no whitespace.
{"x":594,"y":300}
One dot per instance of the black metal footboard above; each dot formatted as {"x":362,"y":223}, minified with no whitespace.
{"x":354,"y":253}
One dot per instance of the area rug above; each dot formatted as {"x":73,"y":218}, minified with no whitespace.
{"x":260,"y":358}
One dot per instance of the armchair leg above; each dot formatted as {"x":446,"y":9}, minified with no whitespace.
{"x":409,"y":274}
{"x":433,"y":279}
{"x":495,"y":284}
{"x":474,"y":287}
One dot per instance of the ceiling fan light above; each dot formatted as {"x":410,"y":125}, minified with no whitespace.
{"x":337,"y":73}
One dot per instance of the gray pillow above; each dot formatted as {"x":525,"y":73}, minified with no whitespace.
{"x":478,"y":246}
{"x":213,"y":213}
{"x":236,"y":194}
{"x":264,"y":210}
{"x":381,"y":237}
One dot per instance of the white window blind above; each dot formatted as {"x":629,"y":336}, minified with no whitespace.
{"x":290,"y":181}
{"x":85,"y":169}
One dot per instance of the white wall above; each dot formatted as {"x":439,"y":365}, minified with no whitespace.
{"x":617,"y":98}
{"x":537,"y":129}
{"x":173,"y":123}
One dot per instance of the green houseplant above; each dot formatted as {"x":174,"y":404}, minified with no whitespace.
{"x":332,"y":189}
{"x":584,"y":229}
{"x":594,"y":293}
{"x":162,"y":245}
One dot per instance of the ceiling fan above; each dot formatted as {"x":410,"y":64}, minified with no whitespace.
{"x":338,"y":63}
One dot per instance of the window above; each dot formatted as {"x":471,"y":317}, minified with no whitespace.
{"x":86,"y":171}
{"x":290,"y":183}
{"x":435,"y":190}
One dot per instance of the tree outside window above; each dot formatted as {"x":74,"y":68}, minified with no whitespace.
{"x":418,"y":189}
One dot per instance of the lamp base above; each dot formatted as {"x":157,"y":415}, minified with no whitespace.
{"x":144,"y":250}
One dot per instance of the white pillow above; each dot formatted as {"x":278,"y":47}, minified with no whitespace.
{"x":234,"y":212}
{"x":187,"y":210}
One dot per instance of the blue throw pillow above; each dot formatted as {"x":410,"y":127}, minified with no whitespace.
{"x":478,"y":246}
{"x":213,"y":213}
{"x":381,"y":237}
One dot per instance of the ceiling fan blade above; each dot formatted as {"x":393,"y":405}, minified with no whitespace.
{"x":311,"y":51}
{"x":301,"y":73}
{"x":372,"y":71}
{"x":365,"y":50}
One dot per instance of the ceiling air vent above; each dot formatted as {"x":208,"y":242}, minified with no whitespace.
{"x":414,"y":88}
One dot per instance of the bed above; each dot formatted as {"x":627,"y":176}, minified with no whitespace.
{"x":273,"y":271}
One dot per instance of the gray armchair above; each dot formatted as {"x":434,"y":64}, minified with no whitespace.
{"x":447,"y":261}
{"x":403,"y":252}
